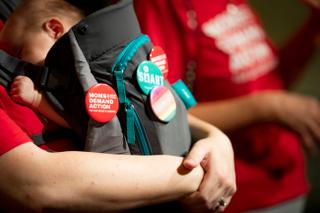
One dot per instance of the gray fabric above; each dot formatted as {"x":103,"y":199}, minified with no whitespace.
{"x":292,"y":206}
{"x":172,"y":137}
{"x":106,"y":28}
{"x":175,"y":142}
{"x":82,"y":68}
{"x":93,"y":46}
{"x":106,"y":138}
{"x":103,"y":138}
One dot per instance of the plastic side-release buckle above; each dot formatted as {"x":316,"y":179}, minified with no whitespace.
{"x":184,"y":93}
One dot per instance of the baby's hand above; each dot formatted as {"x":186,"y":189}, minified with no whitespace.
{"x":23,"y":91}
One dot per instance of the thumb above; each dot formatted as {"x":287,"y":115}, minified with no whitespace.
{"x":195,"y":156}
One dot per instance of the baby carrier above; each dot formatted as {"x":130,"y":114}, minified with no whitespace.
{"x":102,"y":64}
{"x":7,"y":7}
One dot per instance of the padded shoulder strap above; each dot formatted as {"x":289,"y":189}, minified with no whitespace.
{"x":10,"y":67}
{"x":7,"y":7}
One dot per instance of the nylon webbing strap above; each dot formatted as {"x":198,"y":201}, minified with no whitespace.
{"x":7,"y":7}
{"x":43,"y":77}
{"x":10,"y":67}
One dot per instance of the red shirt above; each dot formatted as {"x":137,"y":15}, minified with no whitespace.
{"x":221,"y":50}
{"x":18,"y":123}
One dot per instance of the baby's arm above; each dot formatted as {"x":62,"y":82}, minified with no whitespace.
{"x":23,"y":91}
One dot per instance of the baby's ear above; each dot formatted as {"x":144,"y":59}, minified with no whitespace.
{"x":54,"y":27}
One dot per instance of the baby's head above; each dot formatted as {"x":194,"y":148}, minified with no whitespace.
{"x":35,"y":26}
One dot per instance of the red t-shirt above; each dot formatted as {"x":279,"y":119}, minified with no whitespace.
{"x":18,"y":123}
{"x":220,"y":49}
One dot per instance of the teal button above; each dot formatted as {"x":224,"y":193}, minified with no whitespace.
{"x":184,"y":93}
{"x":148,"y":76}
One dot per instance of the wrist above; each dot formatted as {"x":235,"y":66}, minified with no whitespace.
{"x":36,"y":101}
{"x":190,"y":180}
{"x":264,"y":105}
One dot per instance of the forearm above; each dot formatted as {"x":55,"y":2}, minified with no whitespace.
{"x":298,"y":50}
{"x":234,"y":113}
{"x":199,"y":128}
{"x":92,"y":182}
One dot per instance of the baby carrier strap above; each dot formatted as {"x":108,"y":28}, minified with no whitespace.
{"x":7,"y":7}
{"x":10,"y":67}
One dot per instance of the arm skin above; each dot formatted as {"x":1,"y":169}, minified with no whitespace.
{"x":231,"y":114}
{"x":34,"y":180}
{"x":45,"y":108}
{"x":23,"y":91}
{"x":298,"y":112}
{"x":211,"y":143}
{"x":213,"y":151}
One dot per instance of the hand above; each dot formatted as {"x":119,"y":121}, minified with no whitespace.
{"x":215,"y":155}
{"x":24,"y":92}
{"x":300,"y":113}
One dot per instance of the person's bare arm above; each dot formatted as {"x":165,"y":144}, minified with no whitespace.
{"x":231,"y":114}
{"x":23,"y":91}
{"x":213,"y":151}
{"x":33,"y":179}
{"x":298,"y":112}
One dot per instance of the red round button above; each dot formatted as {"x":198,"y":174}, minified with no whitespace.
{"x":101,"y":103}
{"x":159,"y":58}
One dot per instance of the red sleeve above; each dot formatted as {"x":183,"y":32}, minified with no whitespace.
{"x":11,"y":135}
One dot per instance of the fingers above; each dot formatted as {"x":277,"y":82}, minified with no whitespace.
{"x":310,"y":132}
{"x":314,"y":121}
{"x":218,"y":182}
{"x":302,"y":114}
{"x":215,"y":155}
{"x":15,"y":91}
{"x":221,"y":205}
{"x":307,"y":140}
{"x":314,"y":128}
{"x":16,"y":84}
{"x":195,"y":156}
{"x":197,"y":203}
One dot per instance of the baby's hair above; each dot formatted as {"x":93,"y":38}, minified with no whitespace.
{"x":39,"y":10}
{"x":88,"y":7}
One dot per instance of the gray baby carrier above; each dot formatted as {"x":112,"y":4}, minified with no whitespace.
{"x":106,"y":47}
